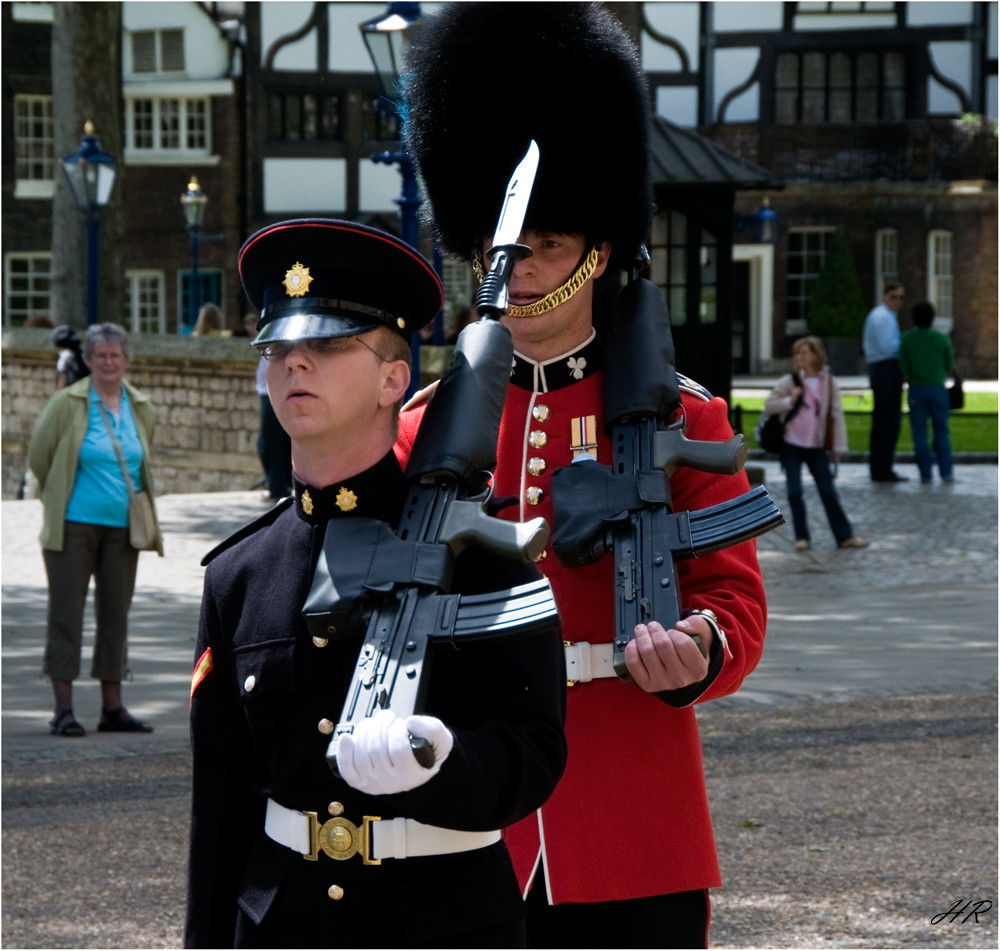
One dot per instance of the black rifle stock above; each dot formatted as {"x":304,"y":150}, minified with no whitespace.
{"x":407,"y":573}
{"x":627,"y":509}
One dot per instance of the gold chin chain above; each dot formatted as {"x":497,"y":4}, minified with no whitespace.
{"x":551,"y":300}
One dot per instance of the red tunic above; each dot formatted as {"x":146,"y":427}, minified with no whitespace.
{"x":630,"y":817}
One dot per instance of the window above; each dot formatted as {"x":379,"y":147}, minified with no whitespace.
{"x":143,"y":308}
{"x":33,"y":146}
{"x":886,"y":259}
{"x":160,"y":124}
{"x":840,"y":86}
{"x":806,"y":253}
{"x":158,"y":51}
{"x":210,"y":290}
{"x":939,"y":277}
{"x":668,"y":262}
{"x":375,"y":124}
{"x":304,"y":116}
{"x":26,"y":287}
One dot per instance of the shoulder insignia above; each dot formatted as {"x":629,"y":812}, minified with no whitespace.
{"x":688,"y":385}
{"x":249,"y":529}
{"x":201,"y":670}
{"x":420,"y":397}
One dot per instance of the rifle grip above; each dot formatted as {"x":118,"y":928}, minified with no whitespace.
{"x":422,"y":751}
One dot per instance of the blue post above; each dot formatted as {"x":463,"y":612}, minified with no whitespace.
{"x":93,"y":222}
{"x":408,"y":203}
{"x":194,"y":294}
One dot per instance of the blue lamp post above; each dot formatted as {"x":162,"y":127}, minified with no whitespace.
{"x":384,"y":37}
{"x":193,"y":202}
{"x":90,"y":172}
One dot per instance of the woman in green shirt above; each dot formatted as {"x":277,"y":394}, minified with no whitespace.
{"x":926,"y":359}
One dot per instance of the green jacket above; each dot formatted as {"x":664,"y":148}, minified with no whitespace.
{"x":54,"y":451}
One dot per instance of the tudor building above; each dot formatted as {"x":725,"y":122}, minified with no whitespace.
{"x":876,"y":116}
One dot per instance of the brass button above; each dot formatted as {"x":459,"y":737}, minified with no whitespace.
{"x":536,"y":466}
{"x":325,"y":726}
{"x":335,"y":809}
{"x":534,"y":495}
{"x":540,"y":412}
{"x":537,"y":439}
{"x":249,"y":683}
{"x":320,"y":642}
{"x":335,"y":892}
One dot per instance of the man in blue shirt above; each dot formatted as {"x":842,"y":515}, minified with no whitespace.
{"x":881,"y":347}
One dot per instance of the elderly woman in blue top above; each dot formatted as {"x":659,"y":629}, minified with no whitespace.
{"x":85,"y":526}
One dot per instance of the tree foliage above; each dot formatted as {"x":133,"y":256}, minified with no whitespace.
{"x":836,"y":305}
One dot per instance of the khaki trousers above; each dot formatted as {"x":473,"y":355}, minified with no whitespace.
{"x":104,"y":553}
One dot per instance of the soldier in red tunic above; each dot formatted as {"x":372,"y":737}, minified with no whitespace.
{"x":622,"y":854}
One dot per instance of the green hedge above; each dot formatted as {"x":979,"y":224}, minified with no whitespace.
{"x":970,"y":431}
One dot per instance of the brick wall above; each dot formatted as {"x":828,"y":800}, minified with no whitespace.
{"x":207,"y":412}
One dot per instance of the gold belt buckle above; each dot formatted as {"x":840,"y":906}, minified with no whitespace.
{"x":341,"y":839}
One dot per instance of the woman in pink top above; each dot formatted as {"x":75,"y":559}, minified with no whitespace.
{"x":809,"y":400}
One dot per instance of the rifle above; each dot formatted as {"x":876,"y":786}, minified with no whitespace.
{"x":626,"y":508}
{"x":407,"y":573}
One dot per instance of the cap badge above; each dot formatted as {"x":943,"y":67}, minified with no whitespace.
{"x":346,"y":500}
{"x":297,"y":280}
{"x":307,"y":502}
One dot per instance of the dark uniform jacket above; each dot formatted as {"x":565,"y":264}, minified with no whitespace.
{"x":261,"y":688}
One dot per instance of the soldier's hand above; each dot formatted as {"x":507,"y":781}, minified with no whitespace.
{"x":377,"y":757}
{"x":661,"y":659}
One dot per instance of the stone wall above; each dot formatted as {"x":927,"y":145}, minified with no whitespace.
{"x":207,"y":411}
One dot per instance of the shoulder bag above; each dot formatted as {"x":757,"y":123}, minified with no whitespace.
{"x":770,"y":431}
{"x":142,"y":531}
{"x":956,"y":396}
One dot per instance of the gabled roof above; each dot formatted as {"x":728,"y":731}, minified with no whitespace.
{"x":683,"y":157}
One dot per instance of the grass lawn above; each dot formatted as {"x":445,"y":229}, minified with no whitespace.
{"x":973,"y":429}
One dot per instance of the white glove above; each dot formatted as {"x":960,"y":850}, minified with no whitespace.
{"x":377,"y":758}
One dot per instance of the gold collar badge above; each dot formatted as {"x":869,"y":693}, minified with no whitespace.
{"x":297,"y":280}
{"x":307,"y":502}
{"x":347,"y":501}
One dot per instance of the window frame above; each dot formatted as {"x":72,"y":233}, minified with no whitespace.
{"x":941,"y":280}
{"x":886,"y":259}
{"x":132,"y":306}
{"x":9,"y":311}
{"x":185,"y":123}
{"x":886,"y":91}
{"x":27,"y":185}
{"x":797,"y":323}
{"x":158,"y":56}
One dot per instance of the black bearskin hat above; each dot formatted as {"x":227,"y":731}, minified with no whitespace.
{"x":483,"y":79}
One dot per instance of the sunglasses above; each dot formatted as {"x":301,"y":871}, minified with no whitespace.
{"x":280,"y":349}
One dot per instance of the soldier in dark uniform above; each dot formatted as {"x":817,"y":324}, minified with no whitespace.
{"x":338,"y":302}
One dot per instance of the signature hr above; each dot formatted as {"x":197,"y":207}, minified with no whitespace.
{"x":963,"y":910}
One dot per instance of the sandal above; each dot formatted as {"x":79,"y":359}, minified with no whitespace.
{"x":65,"y":724}
{"x":121,"y":721}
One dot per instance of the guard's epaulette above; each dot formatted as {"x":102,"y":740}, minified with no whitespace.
{"x":420,"y":397}
{"x":694,"y":388}
{"x":247,"y":530}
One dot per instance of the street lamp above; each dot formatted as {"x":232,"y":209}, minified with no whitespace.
{"x":193,"y":202}
{"x":766,"y":221}
{"x":90,"y":172}
{"x":384,"y":37}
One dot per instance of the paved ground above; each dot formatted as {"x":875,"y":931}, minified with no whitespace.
{"x":853,"y":779}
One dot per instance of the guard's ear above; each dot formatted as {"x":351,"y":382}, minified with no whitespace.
{"x":395,"y":379}
{"x":603,"y":255}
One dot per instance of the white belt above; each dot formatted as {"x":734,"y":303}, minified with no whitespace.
{"x":377,"y":838}
{"x":586,"y":661}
